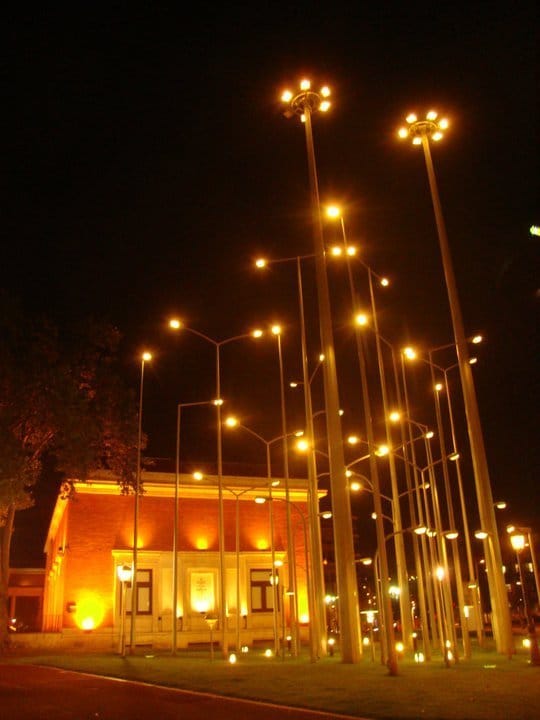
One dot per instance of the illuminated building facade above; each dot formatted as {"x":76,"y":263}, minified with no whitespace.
{"x":91,"y":535}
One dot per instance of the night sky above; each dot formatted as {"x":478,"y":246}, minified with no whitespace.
{"x":147,"y":163}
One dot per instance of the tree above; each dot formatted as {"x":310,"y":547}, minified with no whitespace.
{"x":61,"y":395}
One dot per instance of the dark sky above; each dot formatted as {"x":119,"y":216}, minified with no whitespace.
{"x":147,"y":162}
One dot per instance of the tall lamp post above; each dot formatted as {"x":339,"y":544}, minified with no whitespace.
{"x":176,"y":324}
{"x":422,"y":132}
{"x":145,"y":357}
{"x":317,"y":620}
{"x":179,"y":407}
{"x":518,"y":543}
{"x":304,"y":103}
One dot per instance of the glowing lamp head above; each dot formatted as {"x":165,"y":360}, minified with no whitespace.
{"x":411,"y":118}
{"x":324,"y":106}
{"x":261,"y":263}
{"x":305,"y":84}
{"x":431,"y":115}
{"x":361,"y":319}
{"x":409,"y":353}
{"x":231,"y":421}
{"x":333,"y":211}
{"x":276,"y":329}
{"x":257,"y":333}
{"x":146,"y":356}
{"x":325,"y":91}
{"x":518,"y":541}
{"x":286,"y":96}
{"x":395,"y":416}
{"x":197,"y":475}
{"x":403,"y":133}
{"x":175,"y":324}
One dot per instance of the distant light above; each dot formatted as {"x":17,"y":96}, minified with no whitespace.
{"x":218,"y":402}
{"x":382,"y":450}
{"x":268,"y":653}
{"x":454,"y":456}
{"x":473,"y":361}
{"x":477,"y":339}
{"x":332,"y":211}
{"x":232,"y":658}
{"x":276,"y":329}
{"x":394,"y":416}
{"x":302,"y":445}
{"x":261,"y":262}
{"x":439,"y":573}
{"x":356,"y":486}
{"x":534,"y":230}
{"x":385,"y":282}
{"x":452,"y":535}
{"x":231,"y":421}
{"x":438,"y":387}
{"x":175,"y":324}
{"x":480,"y":534}
{"x":429,"y":434}
{"x":260,"y":500}
{"x":146,"y":356}
{"x":321,"y":357}
{"x":197,"y":475}
{"x":257,"y":333}
{"x":326,"y":515}
{"x":500,"y":504}
{"x":336,"y":251}
{"x":351,"y":250}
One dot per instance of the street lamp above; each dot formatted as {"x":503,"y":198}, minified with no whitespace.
{"x":176,"y":324}
{"x":176,"y":510}
{"x":125,"y":575}
{"x":421,"y":132}
{"x":317,"y":625}
{"x":145,"y":357}
{"x":361,"y":320}
{"x":304,"y":103}
{"x":518,"y":543}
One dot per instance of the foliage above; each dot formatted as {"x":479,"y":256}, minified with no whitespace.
{"x":61,"y":395}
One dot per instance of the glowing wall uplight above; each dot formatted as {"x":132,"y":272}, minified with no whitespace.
{"x":201,"y":543}
{"x":262,"y":544}
{"x":90,"y":611}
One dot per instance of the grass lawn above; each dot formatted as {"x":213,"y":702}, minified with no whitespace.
{"x":487,"y":687}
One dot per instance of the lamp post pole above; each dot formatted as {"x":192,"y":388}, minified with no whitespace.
{"x":422,"y":131}
{"x":145,"y":357}
{"x":304,"y":103}
{"x":292,"y":589}
{"x":317,"y":623}
{"x":386,"y":605}
{"x":179,"y":407}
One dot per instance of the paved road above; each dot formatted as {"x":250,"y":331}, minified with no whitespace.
{"x":29,"y":692}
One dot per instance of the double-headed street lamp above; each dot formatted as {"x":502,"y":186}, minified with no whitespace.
{"x":176,"y":324}
{"x":304,"y":103}
{"x":422,"y":132}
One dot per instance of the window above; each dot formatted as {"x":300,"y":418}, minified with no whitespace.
{"x":262,"y":595}
{"x":144,"y":593}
